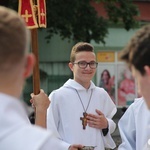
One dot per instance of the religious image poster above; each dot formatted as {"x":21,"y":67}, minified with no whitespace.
{"x":126,"y":88}
{"x":106,"y":78}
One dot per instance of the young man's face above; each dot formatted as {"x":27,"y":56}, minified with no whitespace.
{"x":143,"y":82}
{"x":83,"y":76}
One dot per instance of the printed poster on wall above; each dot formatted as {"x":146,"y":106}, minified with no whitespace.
{"x":115,"y":77}
{"x":106,"y":79}
{"x":126,"y":88}
{"x":106,"y":72}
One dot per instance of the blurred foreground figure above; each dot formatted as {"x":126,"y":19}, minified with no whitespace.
{"x":137,"y":55}
{"x":16,"y":132}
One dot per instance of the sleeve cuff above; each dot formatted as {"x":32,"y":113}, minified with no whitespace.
{"x":105,"y":131}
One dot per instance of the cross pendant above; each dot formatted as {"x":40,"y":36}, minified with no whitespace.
{"x":84,"y":120}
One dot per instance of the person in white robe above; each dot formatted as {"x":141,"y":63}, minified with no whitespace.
{"x":134,"y":126}
{"x":16,"y":64}
{"x":17,"y":133}
{"x":136,"y":54}
{"x":79,"y":97}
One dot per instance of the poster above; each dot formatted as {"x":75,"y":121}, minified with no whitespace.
{"x":115,"y":77}
{"x":125,"y":85}
{"x":106,"y":78}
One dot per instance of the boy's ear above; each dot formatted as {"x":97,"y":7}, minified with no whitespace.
{"x":70,"y":66}
{"x":147,"y":70}
{"x":30,"y":62}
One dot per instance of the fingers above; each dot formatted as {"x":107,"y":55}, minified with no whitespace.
{"x":40,"y":100}
{"x":32,"y":95}
{"x":97,"y":121}
{"x":99,"y":112}
{"x":92,"y":122}
{"x":95,"y":117}
{"x":75,"y":147}
{"x":31,"y":100}
{"x":41,"y":91}
{"x":33,"y":106}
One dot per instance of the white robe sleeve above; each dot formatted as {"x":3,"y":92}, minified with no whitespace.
{"x":108,"y":141}
{"x":109,"y":111}
{"x":127,"y":130}
{"x":52,"y":123}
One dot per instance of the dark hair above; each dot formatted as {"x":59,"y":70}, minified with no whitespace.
{"x":80,"y":47}
{"x":137,"y":52}
{"x":105,"y":70}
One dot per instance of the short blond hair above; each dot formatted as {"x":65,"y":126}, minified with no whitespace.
{"x":80,"y":47}
{"x":13,"y":37}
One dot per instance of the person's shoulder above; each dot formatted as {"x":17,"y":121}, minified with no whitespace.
{"x":39,"y":132}
{"x":36,"y":129}
{"x":139,"y":101}
{"x":30,"y":137}
{"x":100,"y":89}
{"x":60,"y":93}
{"x":58,"y":90}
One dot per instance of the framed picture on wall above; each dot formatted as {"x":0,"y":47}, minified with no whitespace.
{"x":106,"y":78}
{"x":126,"y":87}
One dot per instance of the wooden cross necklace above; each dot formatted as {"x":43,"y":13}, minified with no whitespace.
{"x":83,"y":119}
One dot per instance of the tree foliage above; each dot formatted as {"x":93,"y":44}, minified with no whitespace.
{"x":79,"y":21}
{"x":75,"y":19}
{"x":123,"y":11}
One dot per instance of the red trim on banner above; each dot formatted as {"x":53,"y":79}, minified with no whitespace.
{"x":26,"y":10}
{"x":41,"y":13}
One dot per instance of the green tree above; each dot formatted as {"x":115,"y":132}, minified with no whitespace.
{"x":78,"y":20}
{"x":123,"y":11}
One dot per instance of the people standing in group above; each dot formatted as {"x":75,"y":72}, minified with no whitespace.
{"x":81,"y":112}
{"x":137,"y":56}
{"x":16,"y":64}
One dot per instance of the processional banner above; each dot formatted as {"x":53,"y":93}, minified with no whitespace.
{"x":33,"y":14}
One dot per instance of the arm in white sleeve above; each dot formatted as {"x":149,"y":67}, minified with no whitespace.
{"x":127,"y":130}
